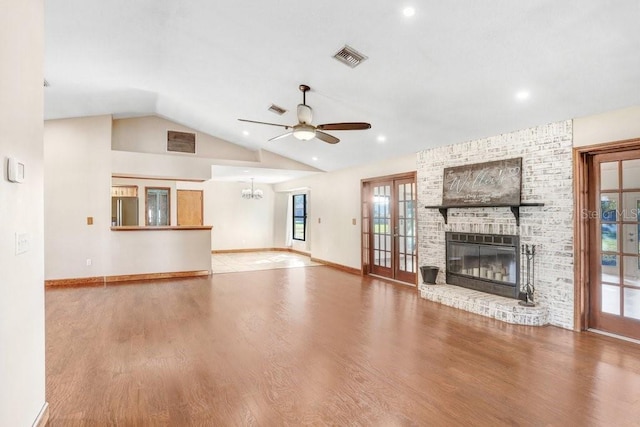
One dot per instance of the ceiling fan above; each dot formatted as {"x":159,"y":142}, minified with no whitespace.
{"x":305,"y":131}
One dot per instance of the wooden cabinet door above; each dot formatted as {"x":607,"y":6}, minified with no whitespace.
{"x":190,"y":207}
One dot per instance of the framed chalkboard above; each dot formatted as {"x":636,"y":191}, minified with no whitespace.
{"x":483,"y":184}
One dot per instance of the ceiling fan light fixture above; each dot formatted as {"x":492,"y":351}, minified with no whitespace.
{"x":304,"y":132}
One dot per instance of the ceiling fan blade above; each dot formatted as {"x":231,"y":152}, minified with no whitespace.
{"x":304,"y":114}
{"x":265,"y":123}
{"x":326,"y":137}
{"x":344,"y":126}
{"x":281,"y":136}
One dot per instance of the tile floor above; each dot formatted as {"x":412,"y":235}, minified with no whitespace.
{"x":261,"y":260}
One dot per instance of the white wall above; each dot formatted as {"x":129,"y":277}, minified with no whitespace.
{"x":161,"y":166}
{"x":279,"y":225}
{"x":22,"y":350}
{"x":334,"y":203}
{"x":77,"y":171}
{"x":618,"y":125}
{"x":160,"y":251}
{"x":149,"y":135}
{"x":238,"y":223}
{"x":77,"y":185}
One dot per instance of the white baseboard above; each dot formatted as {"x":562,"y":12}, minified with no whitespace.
{"x":43,"y":416}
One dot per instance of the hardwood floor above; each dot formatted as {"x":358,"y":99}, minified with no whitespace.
{"x":316,"y":346}
{"x":233,"y":262}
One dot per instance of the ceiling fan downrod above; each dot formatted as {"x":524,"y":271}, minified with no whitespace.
{"x":304,"y":89}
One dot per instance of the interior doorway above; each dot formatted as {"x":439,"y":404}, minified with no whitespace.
{"x":607,"y":239}
{"x":389,"y":229}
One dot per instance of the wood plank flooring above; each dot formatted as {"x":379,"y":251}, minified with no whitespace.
{"x":316,"y":346}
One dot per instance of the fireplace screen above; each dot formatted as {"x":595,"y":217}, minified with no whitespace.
{"x":487,"y":262}
{"x":483,"y":262}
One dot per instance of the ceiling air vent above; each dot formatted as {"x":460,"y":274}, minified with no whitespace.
{"x":278,"y":110}
{"x":181,"y":142}
{"x":349,"y":56}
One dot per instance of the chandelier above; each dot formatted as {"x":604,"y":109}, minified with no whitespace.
{"x":250,"y":193}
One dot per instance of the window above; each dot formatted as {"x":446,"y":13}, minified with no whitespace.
{"x":299,"y":216}
{"x":157,"y":206}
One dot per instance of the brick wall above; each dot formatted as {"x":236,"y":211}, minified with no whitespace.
{"x":547,"y":166}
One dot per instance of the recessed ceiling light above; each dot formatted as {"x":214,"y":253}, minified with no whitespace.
{"x":245,"y":132}
{"x":408,"y":11}
{"x":314,"y":158}
{"x":246,"y":171}
{"x":522,"y":95}
{"x":381,"y":138}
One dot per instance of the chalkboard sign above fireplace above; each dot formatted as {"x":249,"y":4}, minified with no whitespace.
{"x":480,"y":185}
{"x":495,"y":183}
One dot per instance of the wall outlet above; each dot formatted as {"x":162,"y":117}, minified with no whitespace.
{"x":88,"y":262}
{"x":22,"y":243}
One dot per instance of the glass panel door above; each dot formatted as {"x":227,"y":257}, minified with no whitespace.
{"x":614,"y":303}
{"x":381,"y":230}
{"x":157,"y":206}
{"x":405,"y":230}
{"x":392,"y":242}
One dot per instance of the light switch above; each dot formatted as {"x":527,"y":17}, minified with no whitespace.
{"x":353,"y":221}
{"x":22,"y":243}
{"x":89,"y":220}
{"x":319,"y":220}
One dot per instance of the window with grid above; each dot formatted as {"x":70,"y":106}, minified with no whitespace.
{"x":299,"y":216}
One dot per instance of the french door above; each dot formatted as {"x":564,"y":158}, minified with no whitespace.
{"x":389,"y":235}
{"x":614,"y":219}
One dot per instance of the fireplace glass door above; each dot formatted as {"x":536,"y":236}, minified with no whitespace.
{"x":485,"y":262}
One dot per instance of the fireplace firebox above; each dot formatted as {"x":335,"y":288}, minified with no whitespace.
{"x":484,"y":262}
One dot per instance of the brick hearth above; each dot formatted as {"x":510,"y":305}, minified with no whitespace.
{"x":501,"y":308}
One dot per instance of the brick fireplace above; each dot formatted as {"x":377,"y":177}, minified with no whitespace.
{"x":546,"y":153}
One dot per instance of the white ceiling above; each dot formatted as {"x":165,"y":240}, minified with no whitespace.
{"x":448,"y":74}
{"x":263,"y":175}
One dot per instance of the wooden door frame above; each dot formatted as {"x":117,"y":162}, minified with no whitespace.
{"x":581,"y":163}
{"x":365,"y":233}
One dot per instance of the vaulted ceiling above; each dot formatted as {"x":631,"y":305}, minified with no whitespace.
{"x":451,"y":72}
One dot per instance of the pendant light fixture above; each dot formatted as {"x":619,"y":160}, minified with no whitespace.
{"x":250,"y":193}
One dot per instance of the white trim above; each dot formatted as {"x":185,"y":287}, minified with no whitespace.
{"x":43,"y":417}
{"x":609,"y":334}
{"x":288,"y":238}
